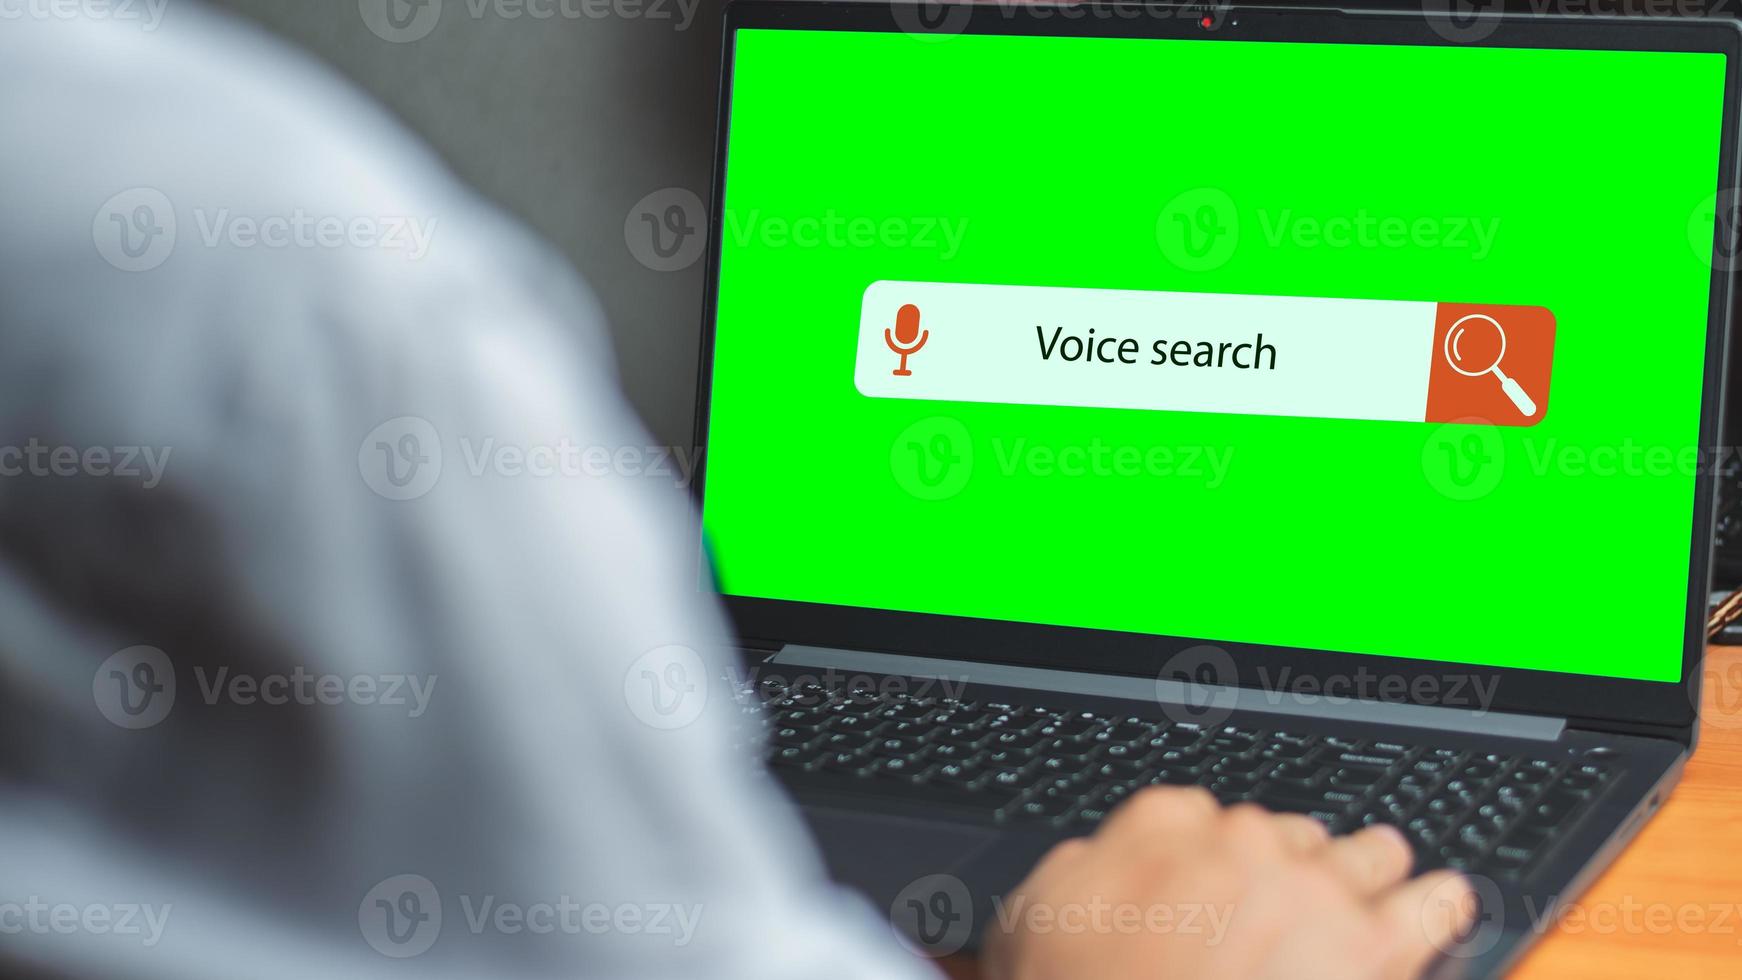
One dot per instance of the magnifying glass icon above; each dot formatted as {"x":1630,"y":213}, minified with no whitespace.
{"x":1475,"y":346}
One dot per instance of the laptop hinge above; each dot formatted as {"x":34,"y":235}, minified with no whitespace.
{"x":1466,"y":720}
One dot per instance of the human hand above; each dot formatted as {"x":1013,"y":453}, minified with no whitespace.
{"x":1265,"y":896}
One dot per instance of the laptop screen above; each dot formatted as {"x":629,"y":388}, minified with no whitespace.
{"x":1366,"y":348}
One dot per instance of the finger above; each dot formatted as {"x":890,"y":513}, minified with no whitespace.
{"x":1425,"y":917}
{"x":1161,"y":818}
{"x":1371,"y":859}
{"x":1252,"y":835}
{"x":1301,"y":835}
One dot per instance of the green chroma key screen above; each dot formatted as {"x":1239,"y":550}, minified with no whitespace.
{"x":1017,"y":222}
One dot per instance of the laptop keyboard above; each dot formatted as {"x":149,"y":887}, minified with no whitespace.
{"x":1028,"y":765}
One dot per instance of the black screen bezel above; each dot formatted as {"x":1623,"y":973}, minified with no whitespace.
{"x":1665,"y":708}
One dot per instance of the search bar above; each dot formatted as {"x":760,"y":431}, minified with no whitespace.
{"x":1300,"y":356}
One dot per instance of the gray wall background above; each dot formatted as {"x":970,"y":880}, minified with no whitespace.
{"x":567,"y":121}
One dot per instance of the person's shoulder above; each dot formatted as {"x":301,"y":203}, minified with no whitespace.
{"x":206,"y":163}
{"x":203,"y":206}
{"x":206,"y":95}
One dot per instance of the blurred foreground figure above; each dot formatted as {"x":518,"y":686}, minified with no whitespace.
{"x":347,"y":622}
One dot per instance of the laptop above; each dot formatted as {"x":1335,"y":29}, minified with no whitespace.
{"x":1098,"y":397}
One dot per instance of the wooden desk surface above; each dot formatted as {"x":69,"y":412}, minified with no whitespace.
{"x":1672,"y":905}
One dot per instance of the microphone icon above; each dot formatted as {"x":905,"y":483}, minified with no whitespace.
{"x":908,"y":338}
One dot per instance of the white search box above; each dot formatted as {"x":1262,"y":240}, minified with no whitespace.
{"x":1393,"y":360}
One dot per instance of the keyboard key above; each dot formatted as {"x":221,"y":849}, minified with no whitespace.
{"x":1295,"y":774}
{"x":1233,"y":788}
{"x":1285,"y":749}
{"x":1015,"y":740}
{"x":1282,"y":801}
{"x":1191,"y":759}
{"x":1507,"y":858}
{"x":1088,"y":816}
{"x":801,"y":738}
{"x":1241,"y":766}
{"x":1356,"y":778}
{"x":1122,"y":769}
{"x":1555,"y":806}
{"x":1071,"y":727}
{"x":1047,"y":807}
{"x":1479,"y":772}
